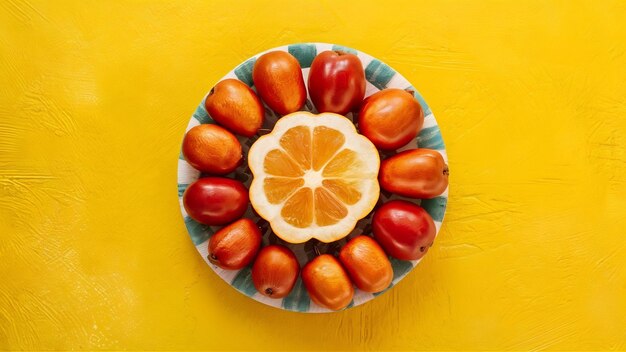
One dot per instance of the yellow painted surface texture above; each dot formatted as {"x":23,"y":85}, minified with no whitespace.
{"x":94,"y":100}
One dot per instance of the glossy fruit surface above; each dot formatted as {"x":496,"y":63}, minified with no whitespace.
{"x":215,"y":200}
{"x":366,"y":264}
{"x":212,"y":149}
{"x":403,"y":229}
{"x":416,"y":173}
{"x":275,"y":271}
{"x":390,"y":118}
{"x":235,"y":245}
{"x":336,"y":82}
{"x":278,"y":80}
{"x":233,"y":105}
{"x":327,"y":282}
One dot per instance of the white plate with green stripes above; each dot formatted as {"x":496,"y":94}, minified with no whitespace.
{"x":379,"y":76}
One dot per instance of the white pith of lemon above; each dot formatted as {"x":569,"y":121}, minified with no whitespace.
{"x":314,"y":177}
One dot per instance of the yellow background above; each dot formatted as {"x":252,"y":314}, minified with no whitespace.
{"x":94,"y":100}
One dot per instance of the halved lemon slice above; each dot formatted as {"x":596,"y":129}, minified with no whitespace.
{"x":314,"y":177}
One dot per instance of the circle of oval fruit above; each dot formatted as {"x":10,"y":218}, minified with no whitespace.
{"x":390,"y":116}
{"x":314,"y":177}
{"x":212,"y":149}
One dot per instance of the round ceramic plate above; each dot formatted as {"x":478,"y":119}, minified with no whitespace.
{"x":379,"y":76}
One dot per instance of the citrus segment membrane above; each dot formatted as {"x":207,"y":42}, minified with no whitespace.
{"x":277,"y":189}
{"x":298,"y":210}
{"x":297,"y":143}
{"x":347,"y":164}
{"x":346,"y":190}
{"x":279,"y":163}
{"x":328,"y":210}
{"x":326,"y":142}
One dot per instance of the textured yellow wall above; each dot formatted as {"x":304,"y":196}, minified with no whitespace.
{"x":94,"y":100}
